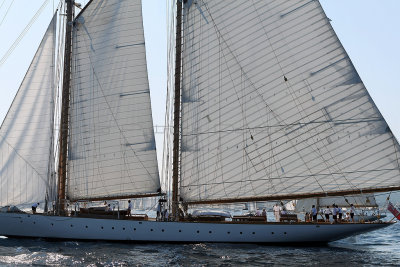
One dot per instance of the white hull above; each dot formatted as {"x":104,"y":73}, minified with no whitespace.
{"x":28,"y":225}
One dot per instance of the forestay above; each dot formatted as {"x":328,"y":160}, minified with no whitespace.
{"x":27,"y":130}
{"x":272,"y":106}
{"x":112,"y":146}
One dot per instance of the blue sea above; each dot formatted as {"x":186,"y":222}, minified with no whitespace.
{"x":381,"y":247}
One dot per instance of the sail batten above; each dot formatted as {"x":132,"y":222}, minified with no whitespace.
{"x":272,"y":107}
{"x":112,"y":146}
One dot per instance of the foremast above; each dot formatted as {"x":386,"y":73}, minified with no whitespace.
{"x":63,"y":138}
{"x":177,"y":107}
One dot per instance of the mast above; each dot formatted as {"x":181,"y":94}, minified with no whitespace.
{"x":62,"y":163}
{"x":177,"y":106}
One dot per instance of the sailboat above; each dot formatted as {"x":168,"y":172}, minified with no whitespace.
{"x":264,"y":105}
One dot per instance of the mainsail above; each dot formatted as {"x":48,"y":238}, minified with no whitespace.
{"x":111,"y":150}
{"x":273,"y":107}
{"x":27,"y":130}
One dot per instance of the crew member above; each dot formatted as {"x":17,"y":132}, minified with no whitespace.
{"x":314,"y":213}
{"x":352,"y":211}
{"x":277,"y":212}
{"x":129,"y":208}
{"x":327,"y":212}
{"x":34,"y":206}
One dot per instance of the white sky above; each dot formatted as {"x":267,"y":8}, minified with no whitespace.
{"x":368,"y":29}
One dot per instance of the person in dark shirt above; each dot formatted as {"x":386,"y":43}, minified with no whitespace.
{"x":34,"y":206}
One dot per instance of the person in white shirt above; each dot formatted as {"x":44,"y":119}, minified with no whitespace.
{"x":334,"y":213}
{"x":129,"y":208}
{"x":283,"y":211}
{"x":340,"y":214}
{"x":327,"y":211}
{"x":277,"y":212}
{"x":352,"y":211}
{"x":258,"y":212}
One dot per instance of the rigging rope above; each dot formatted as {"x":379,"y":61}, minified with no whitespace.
{"x":2,"y":4}
{"x":23,"y":33}
{"x":5,"y":15}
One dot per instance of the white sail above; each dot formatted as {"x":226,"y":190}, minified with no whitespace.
{"x":367,"y":200}
{"x":26,"y":131}
{"x":112,"y":146}
{"x":272,"y":106}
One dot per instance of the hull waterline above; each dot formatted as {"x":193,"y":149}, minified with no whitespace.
{"x":28,"y":225}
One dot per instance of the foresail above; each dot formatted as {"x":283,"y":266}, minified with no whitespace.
{"x":112,"y":146}
{"x":26,"y":132}
{"x":272,"y":106}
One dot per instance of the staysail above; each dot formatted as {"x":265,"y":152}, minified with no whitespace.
{"x":111,"y":150}
{"x":272,"y":107}
{"x":27,"y":130}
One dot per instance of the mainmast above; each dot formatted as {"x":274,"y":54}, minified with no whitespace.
{"x":62,"y":163}
{"x":177,"y":107}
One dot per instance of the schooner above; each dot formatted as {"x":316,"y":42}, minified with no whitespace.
{"x":264,"y":105}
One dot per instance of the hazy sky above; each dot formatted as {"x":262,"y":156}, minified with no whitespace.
{"x":368,"y":29}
